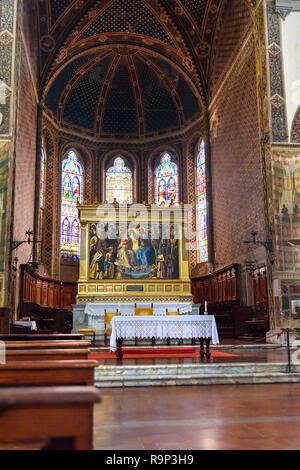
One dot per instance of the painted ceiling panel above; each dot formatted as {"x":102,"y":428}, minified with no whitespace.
{"x":140,"y":82}
{"x":196,"y":9}
{"x":189,"y":101}
{"x":80,"y":108}
{"x":57,"y":8}
{"x":159,"y":108}
{"x":128,"y":16}
{"x":120,"y":109}
{"x":62,"y":79}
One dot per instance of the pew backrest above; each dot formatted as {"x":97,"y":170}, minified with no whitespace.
{"x":42,"y":373}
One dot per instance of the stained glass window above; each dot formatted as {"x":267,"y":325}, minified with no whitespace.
{"x":202,"y":205}
{"x":119,"y":183}
{"x":72,"y":193}
{"x":166,"y":181}
{"x":42,"y":179}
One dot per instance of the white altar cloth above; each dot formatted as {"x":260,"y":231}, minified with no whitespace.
{"x":127,"y":308}
{"x":185,"y":327}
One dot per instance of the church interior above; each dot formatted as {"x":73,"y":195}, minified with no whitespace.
{"x":149,"y":224}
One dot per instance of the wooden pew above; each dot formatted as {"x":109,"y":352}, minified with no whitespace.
{"x":38,"y":337}
{"x":47,"y":373}
{"x":57,"y":418}
{"x":13,"y":355}
{"x":46,"y":344}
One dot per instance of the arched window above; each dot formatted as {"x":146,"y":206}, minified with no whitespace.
{"x":201,"y":203}
{"x":72,"y":193}
{"x":119,"y":183}
{"x":166,"y":181}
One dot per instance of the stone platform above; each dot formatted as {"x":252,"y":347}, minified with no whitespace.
{"x":193,"y":374}
{"x":253,"y":364}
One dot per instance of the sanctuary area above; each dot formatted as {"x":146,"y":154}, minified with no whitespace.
{"x":149,"y":216}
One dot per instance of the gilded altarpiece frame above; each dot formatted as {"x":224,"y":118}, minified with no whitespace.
{"x":138,"y":283}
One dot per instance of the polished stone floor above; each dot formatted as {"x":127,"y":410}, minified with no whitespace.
{"x":215,"y":417}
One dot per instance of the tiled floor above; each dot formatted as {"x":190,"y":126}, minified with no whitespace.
{"x":245,"y":417}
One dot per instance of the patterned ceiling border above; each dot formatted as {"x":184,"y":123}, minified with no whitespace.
{"x":198,"y":39}
{"x":69,"y":132}
{"x":279,"y":127}
{"x":51,"y":36}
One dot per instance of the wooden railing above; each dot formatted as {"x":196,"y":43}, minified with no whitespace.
{"x":221,"y":286}
{"x":46,"y":292}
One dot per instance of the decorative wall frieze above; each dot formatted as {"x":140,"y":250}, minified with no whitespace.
{"x":278,"y":116}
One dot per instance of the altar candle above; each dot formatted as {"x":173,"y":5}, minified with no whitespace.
{"x":205,"y":307}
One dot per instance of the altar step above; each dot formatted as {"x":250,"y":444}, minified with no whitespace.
{"x":194,"y":374}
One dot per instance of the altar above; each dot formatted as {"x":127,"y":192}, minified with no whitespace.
{"x":131,"y":257}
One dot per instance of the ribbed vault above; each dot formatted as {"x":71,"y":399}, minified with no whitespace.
{"x":133,"y":67}
{"x":123,"y":91}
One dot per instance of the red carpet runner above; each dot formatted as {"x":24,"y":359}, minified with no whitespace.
{"x":158,"y":353}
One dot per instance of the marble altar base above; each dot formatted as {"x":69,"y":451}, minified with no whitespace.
{"x":91,"y":315}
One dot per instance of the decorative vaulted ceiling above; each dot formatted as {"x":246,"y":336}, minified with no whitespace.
{"x":122,"y":91}
{"x":126,"y":66}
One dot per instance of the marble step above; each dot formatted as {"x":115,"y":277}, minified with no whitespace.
{"x":194,"y":374}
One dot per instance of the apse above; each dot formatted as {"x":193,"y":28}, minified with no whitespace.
{"x":122,"y":92}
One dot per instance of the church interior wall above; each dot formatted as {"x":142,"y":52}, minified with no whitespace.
{"x":237,"y":182}
{"x":24,"y":186}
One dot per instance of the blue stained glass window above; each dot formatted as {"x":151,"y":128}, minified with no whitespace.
{"x":166,"y":181}
{"x":202,"y":205}
{"x":72,"y":193}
